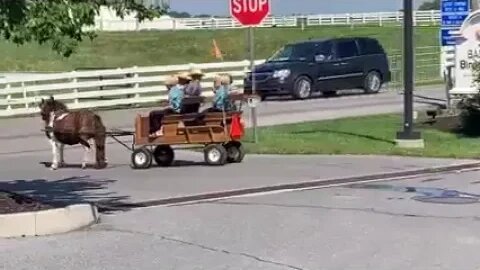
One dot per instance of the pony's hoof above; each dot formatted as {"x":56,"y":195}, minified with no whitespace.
{"x":53,"y":167}
{"x":84,"y":166}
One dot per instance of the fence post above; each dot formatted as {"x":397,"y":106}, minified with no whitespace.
{"x":380,"y":19}
{"x":74,"y":81}
{"x":25,"y":95}
{"x":136,"y":85}
{"x":9,"y":97}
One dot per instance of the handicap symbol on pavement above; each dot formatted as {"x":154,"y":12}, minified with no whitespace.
{"x":427,"y":194}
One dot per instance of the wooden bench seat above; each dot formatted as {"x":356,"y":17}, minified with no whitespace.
{"x":190,"y":126}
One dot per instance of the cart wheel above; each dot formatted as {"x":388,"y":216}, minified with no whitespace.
{"x":163,"y":155}
{"x":215,"y":154}
{"x":235,"y":152}
{"x":141,"y":158}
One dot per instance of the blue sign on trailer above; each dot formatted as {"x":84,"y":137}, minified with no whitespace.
{"x":448,"y":39}
{"x":455,"y":6}
{"x":454,"y":12}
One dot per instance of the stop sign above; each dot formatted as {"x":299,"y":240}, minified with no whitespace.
{"x":249,"y":12}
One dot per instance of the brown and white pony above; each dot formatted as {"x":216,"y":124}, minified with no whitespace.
{"x":64,"y":127}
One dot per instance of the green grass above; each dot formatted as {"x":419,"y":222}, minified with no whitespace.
{"x":358,"y":136}
{"x":126,"y":49}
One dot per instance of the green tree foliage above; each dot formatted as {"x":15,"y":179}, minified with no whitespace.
{"x":430,"y":5}
{"x":61,"y":22}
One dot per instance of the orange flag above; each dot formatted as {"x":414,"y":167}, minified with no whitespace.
{"x":236,"y":128}
{"x":216,"y":52}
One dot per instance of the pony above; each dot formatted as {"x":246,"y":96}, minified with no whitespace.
{"x":64,"y":127}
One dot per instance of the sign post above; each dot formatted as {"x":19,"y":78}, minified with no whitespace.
{"x":251,"y":13}
{"x":408,"y":137}
{"x":252,"y":103}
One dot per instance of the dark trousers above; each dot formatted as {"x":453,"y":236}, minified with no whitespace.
{"x":211,"y":109}
{"x":156,"y":117}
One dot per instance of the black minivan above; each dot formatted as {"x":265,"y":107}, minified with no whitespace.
{"x":325,"y":66}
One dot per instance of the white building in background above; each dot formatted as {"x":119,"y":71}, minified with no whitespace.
{"x":107,"y":20}
{"x":156,"y":3}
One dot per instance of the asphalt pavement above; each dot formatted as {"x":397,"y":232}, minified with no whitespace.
{"x":27,"y":173}
{"x":366,"y":227}
{"x":371,"y":226}
{"x":24,"y":135}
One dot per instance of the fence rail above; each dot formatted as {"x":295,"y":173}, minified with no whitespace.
{"x":108,"y":21}
{"x":145,"y":85}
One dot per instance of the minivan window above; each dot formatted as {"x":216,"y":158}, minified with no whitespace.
{"x":293,"y":52}
{"x":325,"y":49}
{"x":346,"y":49}
{"x":369,"y":46}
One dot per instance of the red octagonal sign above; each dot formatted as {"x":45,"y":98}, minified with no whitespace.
{"x":250,"y":12}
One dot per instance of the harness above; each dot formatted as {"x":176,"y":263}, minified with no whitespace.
{"x":54,"y":118}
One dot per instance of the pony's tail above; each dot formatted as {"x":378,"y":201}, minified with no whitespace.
{"x":100,"y":138}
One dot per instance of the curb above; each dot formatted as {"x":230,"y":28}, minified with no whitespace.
{"x":48,"y":222}
{"x":287,"y":187}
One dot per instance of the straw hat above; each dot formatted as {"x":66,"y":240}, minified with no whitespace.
{"x":225,"y":79}
{"x":217,"y":80}
{"x":171,"y":80}
{"x":184,"y":75}
{"x":196,"y":71}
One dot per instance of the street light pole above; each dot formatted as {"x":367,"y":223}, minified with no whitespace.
{"x":408,"y":134}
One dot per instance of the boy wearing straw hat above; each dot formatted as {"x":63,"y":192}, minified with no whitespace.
{"x":221,"y":87}
{"x":194,"y":88}
{"x":176,"y":86}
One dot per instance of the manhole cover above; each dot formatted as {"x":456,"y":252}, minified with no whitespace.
{"x":446,"y":199}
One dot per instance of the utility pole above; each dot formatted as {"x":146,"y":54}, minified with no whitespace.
{"x":408,"y":137}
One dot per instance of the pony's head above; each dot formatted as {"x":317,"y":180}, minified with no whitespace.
{"x":47,"y":106}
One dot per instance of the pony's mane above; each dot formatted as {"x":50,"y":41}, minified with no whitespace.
{"x":59,"y":105}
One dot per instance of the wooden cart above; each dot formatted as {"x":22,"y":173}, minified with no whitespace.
{"x":214,"y":131}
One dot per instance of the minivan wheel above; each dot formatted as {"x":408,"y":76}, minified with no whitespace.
{"x":302,"y":88}
{"x":373,"y":82}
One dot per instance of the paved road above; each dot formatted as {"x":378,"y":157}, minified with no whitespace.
{"x":369,"y":227}
{"x":23,"y":134}
{"x":25,"y":172}
{"x":23,"y":149}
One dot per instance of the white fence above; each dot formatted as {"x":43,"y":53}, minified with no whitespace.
{"x":145,"y":85}
{"x":104,"y":88}
{"x":108,"y":21}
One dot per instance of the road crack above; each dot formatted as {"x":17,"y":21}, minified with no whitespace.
{"x":196,"y":245}
{"x":366,"y":210}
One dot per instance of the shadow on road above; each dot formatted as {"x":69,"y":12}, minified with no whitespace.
{"x":346,"y":133}
{"x":71,"y":190}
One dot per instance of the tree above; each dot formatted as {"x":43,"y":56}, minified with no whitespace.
{"x":176,"y":14}
{"x":61,"y":22}
{"x":430,"y":5}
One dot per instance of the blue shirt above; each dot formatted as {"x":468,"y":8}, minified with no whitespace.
{"x":221,"y":100}
{"x":175,"y":97}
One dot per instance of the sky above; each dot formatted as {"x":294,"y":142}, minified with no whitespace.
{"x":287,"y":7}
